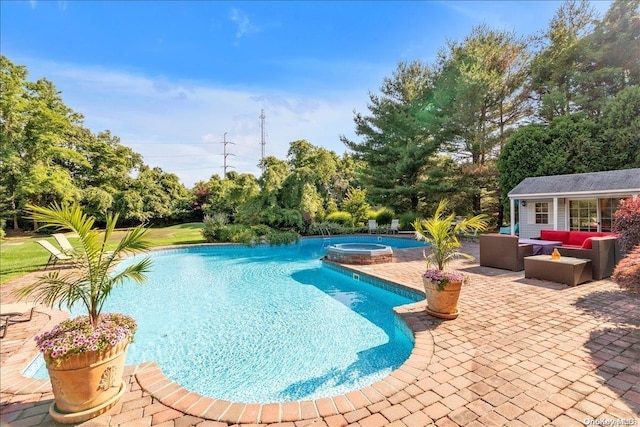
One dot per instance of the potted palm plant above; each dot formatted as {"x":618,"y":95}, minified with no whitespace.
{"x":442,"y":287}
{"x":85,"y":356}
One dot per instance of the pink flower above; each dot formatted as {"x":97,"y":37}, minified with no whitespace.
{"x":77,"y":335}
{"x":443,"y":277}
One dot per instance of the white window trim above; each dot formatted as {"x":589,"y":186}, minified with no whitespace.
{"x":531,"y":213}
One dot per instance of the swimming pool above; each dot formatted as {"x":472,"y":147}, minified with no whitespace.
{"x":265,"y":324}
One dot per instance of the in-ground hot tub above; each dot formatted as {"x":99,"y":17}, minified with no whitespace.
{"x":359,"y":253}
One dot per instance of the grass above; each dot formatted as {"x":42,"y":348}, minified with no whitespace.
{"x":20,"y":255}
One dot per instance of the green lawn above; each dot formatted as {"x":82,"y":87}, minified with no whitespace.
{"x":19,"y":255}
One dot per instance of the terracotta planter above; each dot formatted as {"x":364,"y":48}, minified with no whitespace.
{"x":442,"y":304}
{"x":88,"y":384}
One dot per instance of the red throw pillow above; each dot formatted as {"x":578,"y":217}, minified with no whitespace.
{"x":576,"y":238}
{"x":588,"y":243}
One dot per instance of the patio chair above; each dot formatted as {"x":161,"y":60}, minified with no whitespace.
{"x":21,"y":309}
{"x":469,"y":235}
{"x":504,"y":252}
{"x":54,"y":253}
{"x":9,"y":312}
{"x":393,"y":228}
{"x":507,"y":229}
{"x":373,"y":226}
{"x":64,"y":243}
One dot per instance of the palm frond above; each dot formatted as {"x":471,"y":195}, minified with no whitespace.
{"x":55,"y":289}
{"x":90,"y":282}
{"x":441,"y":232}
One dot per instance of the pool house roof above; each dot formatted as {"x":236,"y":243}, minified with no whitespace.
{"x":593,"y":184}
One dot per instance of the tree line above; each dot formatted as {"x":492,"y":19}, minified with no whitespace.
{"x":495,"y":108}
{"x":491,"y":110}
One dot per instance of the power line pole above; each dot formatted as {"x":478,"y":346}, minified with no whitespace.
{"x":263,"y":142}
{"x":225,"y":154}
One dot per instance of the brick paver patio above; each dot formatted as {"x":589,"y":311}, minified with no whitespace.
{"x":523,"y":352}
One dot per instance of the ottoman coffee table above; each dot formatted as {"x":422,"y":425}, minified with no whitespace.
{"x":568,"y":270}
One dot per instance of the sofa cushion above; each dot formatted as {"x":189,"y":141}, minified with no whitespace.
{"x":555,"y":235}
{"x":576,"y":238}
{"x":588,"y":243}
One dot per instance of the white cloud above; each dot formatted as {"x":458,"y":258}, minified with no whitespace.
{"x":244,"y":24}
{"x":179,"y":125}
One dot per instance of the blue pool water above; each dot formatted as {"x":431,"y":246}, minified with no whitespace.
{"x":264,"y":324}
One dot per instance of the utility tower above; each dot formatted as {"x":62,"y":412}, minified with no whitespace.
{"x":263,"y":142}
{"x":225,"y":154}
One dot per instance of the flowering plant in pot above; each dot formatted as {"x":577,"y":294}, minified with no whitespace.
{"x":85,"y":356}
{"x":441,"y":232}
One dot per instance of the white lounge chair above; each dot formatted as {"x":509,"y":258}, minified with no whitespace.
{"x":393,"y":228}
{"x":17,"y":309}
{"x":23,"y":311}
{"x":54,"y":253}
{"x":64,"y":243}
{"x":373,"y":226}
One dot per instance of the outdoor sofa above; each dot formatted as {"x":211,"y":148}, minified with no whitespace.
{"x":600,"y":247}
{"x":573,"y":238}
{"x":603,"y":252}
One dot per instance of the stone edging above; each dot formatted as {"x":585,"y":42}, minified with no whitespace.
{"x":152,"y":380}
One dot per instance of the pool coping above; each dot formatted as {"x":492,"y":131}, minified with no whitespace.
{"x":152,"y":380}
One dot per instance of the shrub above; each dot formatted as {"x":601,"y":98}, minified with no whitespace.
{"x":626,"y":222}
{"x":333,"y":228}
{"x":212,"y":226}
{"x":261,"y":230}
{"x":3,"y":223}
{"x":406,"y":220}
{"x":627,"y":272}
{"x":384,"y":216}
{"x":285,"y":218}
{"x":332,"y":206}
{"x":277,"y":237}
{"x":236,"y":233}
{"x":355,"y":202}
{"x":340,"y":217}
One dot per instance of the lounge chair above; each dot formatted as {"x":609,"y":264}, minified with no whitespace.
{"x":54,"y":253}
{"x":62,"y":240}
{"x":507,"y":229}
{"x":470,"y":235}
{"x":393,"y":228}
{"x":9,"y":312}
{"x":21,"y":309}
{"x":373,"y":226}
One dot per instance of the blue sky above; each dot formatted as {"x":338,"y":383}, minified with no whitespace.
{"x":171,"y":77}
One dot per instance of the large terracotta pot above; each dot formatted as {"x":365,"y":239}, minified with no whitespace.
{"x":442,"y":304}
{"x":88,"y":384}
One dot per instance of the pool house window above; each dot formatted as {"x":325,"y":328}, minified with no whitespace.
{"x":592,"y":214}
{"x":607,"y":208}
{"x":542,"y":212}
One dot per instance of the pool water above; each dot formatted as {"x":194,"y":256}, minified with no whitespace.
{"x":263,"y":324}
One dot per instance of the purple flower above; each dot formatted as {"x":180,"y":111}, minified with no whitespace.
{"x":77,"y":335}
{"x":443,"y":277}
